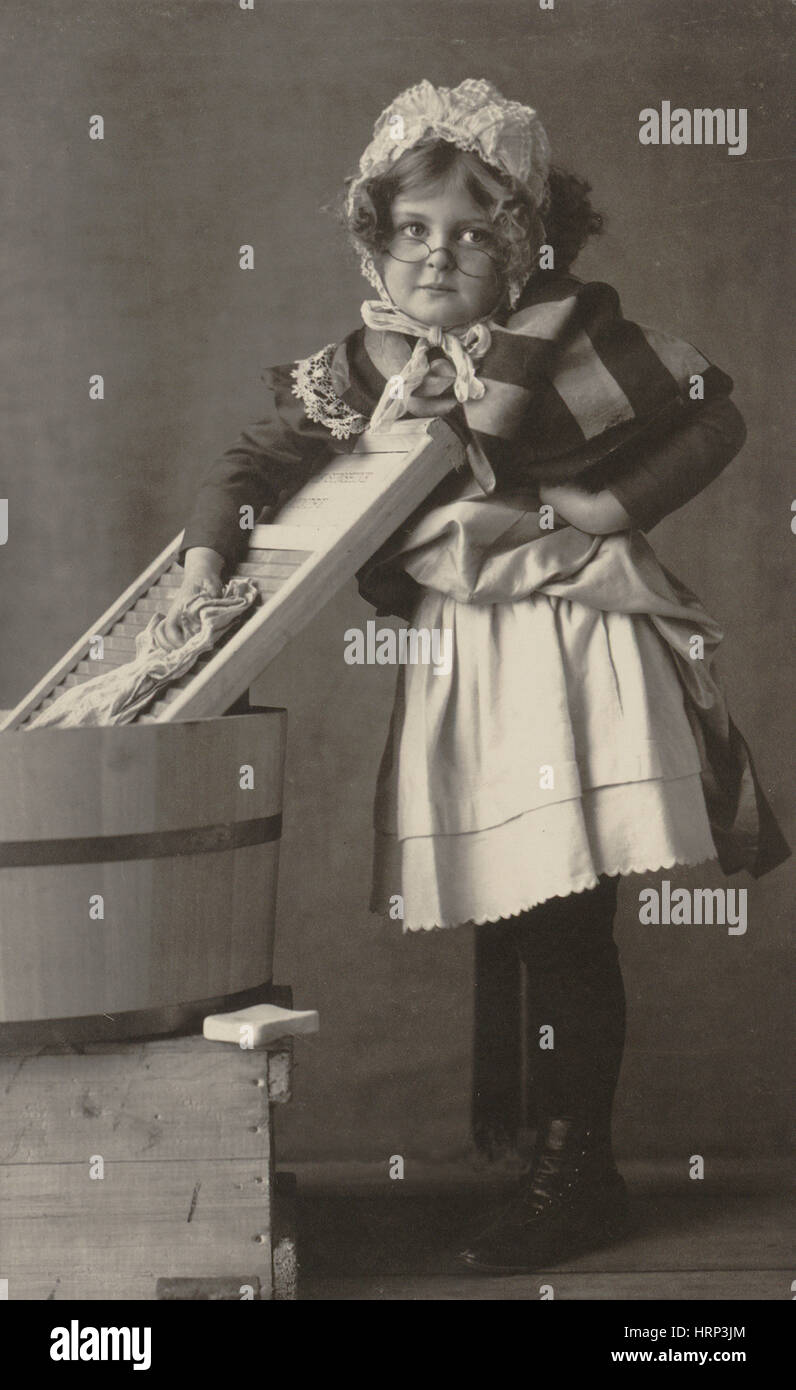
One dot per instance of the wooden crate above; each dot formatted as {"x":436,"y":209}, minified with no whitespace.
{"x":184,"y":1130}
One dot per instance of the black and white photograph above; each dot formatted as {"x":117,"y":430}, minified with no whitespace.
{"x":396,"y":520}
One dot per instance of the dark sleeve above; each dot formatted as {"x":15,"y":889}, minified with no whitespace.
{"x":659,"y":476}
{"x":274,"y":456}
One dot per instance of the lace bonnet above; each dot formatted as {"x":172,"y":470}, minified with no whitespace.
{"x":473,"y":116}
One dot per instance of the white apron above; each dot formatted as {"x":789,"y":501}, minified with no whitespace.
{"x":560,"y":746}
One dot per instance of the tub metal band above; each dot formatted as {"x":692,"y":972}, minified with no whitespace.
{"x":154,"y":844}
{"x":159,"y":1021}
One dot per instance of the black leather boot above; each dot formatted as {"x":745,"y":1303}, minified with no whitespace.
{"x":572,"y":1199}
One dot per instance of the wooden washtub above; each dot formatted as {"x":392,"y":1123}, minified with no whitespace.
{"x":153,"y":820}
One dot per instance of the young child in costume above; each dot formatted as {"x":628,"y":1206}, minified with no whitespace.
{"x":579,"y":736}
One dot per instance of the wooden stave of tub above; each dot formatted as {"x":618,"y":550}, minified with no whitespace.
{"x":154,"y":818}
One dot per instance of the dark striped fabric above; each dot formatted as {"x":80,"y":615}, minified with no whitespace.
{"x":569,"y":380}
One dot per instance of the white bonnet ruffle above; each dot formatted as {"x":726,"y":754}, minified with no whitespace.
{"x":473,"y":116}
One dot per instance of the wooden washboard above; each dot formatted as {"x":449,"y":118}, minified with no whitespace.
{"x":314,"y":544}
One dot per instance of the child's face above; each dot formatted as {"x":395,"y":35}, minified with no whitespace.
{"x":435,"y":290}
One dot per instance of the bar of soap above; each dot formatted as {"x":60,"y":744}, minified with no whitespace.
{"x":260,"y":1024}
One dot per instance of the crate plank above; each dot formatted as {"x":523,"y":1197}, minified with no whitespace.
{"x":68,"y":1237}
{"x":148,"y":1102}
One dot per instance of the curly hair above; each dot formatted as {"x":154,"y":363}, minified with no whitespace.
{"x":570,"y":218}
{"x":567,"y":215}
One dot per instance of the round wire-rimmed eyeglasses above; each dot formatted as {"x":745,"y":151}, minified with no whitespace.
{"x":475,"y":261}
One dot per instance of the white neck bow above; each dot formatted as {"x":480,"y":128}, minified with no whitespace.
{"x":463,"y":346}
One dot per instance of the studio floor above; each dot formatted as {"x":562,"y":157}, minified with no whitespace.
{"x":364,"y":1236}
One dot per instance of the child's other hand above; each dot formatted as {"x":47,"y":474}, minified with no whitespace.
{"x":596,"y":513}
{"x":202,"y":575}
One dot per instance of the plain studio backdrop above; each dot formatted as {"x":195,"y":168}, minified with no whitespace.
{"x":225,"y":127}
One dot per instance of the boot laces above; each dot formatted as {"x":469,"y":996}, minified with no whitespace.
{"x":552,"y":1177}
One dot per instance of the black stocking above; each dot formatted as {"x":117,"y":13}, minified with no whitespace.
{"x":574,"y":983}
